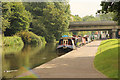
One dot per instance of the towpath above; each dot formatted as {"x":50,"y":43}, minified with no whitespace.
{"x":75,"y":64}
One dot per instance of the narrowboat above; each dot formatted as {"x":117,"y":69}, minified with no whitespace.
{"x":83,"y":40}
{"x":75,"y":39}
{"x":66,"y":43}
{"x":87,"y":38}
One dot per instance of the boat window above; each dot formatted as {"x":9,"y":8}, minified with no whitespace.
{"x":69,"y":42}
{"x":66,"y":42}
{"x":61,"y":42}
{"x":86,"y":39}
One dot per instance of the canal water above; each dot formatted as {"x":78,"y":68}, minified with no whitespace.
{"x":18,"y":59}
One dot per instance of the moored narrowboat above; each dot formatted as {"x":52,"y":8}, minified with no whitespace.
{"x":66,"y":43}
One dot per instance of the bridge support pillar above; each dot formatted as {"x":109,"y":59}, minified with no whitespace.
{"x":114,"y":33}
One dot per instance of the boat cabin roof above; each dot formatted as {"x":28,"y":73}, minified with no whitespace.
{"x":66,"y":38}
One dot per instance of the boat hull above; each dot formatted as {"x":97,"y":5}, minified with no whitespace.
{"x":64,"y":49}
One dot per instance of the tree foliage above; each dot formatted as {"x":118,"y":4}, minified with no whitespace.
{"x":106,"y":17}
{"x":29,"y":37}
{"x":47,"y":19}
{"x":90,"y":18}
{"x":50,"y":19}
{"x":75,"y":18}
{"x":5,"y":16}
{"x":15,"y":18}
{"x":111,"y":7}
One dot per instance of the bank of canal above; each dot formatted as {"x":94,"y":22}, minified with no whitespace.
{"x":17,"y":60}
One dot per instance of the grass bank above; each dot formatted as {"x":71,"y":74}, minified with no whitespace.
{"x":106,"y":59}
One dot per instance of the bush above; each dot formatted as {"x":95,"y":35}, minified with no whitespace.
{"x":43,"y":40}
{"x":12,"y":41}
{"x":29,"y":37}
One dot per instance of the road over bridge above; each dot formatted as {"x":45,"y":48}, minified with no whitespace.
{"x":110,"y":26}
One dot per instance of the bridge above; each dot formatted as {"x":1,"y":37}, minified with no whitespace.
{"x":110,"y":26}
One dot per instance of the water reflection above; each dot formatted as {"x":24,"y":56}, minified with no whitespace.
{"x":17,"y":59}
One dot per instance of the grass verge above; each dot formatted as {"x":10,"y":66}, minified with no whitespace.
{"x":106,"y":59}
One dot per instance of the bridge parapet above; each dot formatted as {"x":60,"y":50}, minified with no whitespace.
{"x":93,"y":23}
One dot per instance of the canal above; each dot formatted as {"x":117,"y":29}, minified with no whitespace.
{"x":16,"y":60}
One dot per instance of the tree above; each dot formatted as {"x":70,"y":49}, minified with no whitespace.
{"x":35,"y":8}
{"x":50,"y":19}
{"x":111,"y":7}
{"x":6,"y":11}
{"x":106,"y":17}
{"x":16,"y":17}
{"x":90,"y":18}
{"x":76,"y":18}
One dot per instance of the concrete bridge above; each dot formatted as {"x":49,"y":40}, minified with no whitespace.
{"x":110,"y":26}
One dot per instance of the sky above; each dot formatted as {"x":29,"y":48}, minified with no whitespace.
{"x":84,"y":7}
